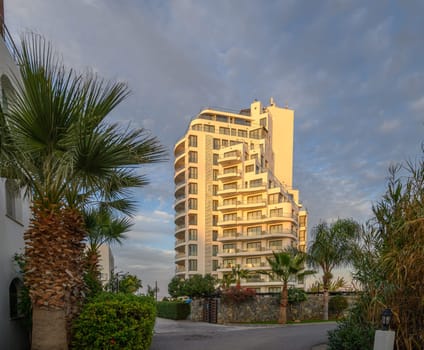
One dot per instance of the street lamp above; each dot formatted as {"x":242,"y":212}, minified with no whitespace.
{"x":386,"y":317}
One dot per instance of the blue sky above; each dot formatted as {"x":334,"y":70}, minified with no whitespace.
{"x":352,"y":70}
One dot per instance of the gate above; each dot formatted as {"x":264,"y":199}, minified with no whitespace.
{"x":210,"y":310}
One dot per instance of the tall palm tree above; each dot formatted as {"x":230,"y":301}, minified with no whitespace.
{"x":238,"y":273}
{"x":56,"y":143}
{"x":285,"y":265}
{"x":102,"y":227}
{"x":330,"y":249}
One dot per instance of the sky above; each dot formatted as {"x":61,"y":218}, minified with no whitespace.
{"x":353,"y":71}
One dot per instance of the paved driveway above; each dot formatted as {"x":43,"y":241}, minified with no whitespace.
{"x":187,"y":335}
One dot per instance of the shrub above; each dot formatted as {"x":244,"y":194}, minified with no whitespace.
{"x":237,"y":294}
{"x":352,"y":333}
{"x":337,"y":305}
{"x":296,"y":295}
{"x":115,"y":321}
{"x":173,"y":310}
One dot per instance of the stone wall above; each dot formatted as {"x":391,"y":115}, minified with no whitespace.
{"x":263,"y":308}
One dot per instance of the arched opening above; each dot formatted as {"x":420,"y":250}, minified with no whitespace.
{"x":15,"y":294}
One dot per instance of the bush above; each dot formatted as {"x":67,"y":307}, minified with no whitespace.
{"x":296,"y":295}
{"x":115,"y":321}
{"x":238,"y":294}
{"x":352,"y":333}
{"x":173,"y":310}
{"x":337,"y":305}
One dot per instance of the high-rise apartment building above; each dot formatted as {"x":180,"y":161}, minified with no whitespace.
{"x":234,"y":201}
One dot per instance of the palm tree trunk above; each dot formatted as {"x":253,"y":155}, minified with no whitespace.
{"x":325,"y":306}
{"x":283,"y":305}
{"x":53,"y":273}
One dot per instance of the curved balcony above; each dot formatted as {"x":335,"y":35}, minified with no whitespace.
{"x":180,"y":218}
{"x":180,"y":236}
{"x":179,"y":162}
{"x":179,"y":228}
{"x":179,"y":148}
{"x":179,"y":200}
{"x":279,"y":218}
{"x":180,"y":177}
{"x":180,"y":257}
{"x":180,"y":206}
{"x":180,"y":191}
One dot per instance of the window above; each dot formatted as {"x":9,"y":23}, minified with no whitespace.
{"x":230,"y":201}
{"x":252,"y":215}
{"x":228,"y":248}
{"x":192,"y":219}
{"x":192,"y":157}
{"x":224,"y":143}
{"x":192,"y":234}
{"x":230,"y":186}
{"x":242,"y":133}
{"x":222,"y":118}
{"x":230,"y":154}
{"x":214,"y":220}
{"x":254,"y":231}
{"x":192,"y":250}
{"x":276,"y":212}
{"x":192,"y":173}
{"x":215,"y":265}
{"x":197,"y":127}
{"x":233,"y":143}
{"x":302,"y":235}
{"x":214,"y":250}
{"x":208,"y":128}
{"x":275,"y":198}
{"x":233,"y":132}
{"x":250,"y":168}
{"x":274,"y":289}
{"x":192,"y":188}
{"x":254,"y":199}
{"x":230,"y":217}
{"x":276,"y":245}
{"x":214,"y":205}
{"x":230,"y":232}
{"x":253,"y":262}
{"x":192,"y":141}
{"x":192,"y":203}
{"x":302,"y":221}
{"x":228,"y":263}
{"x":192,"y":265}
{"x":13,"y":203}
{"x":215,"y":174}
{"x":256,"y":183}
{"x":262,"y":122}
{"x":216,"y":144}
{"x":214,"y":190}
{"x":254,"y":246}
{"x":276,"y":229}
{"x":215,"y":159}
{"x":224,"y":131}
{"x":214,"y":235}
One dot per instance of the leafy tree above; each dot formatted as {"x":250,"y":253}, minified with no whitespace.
{"x":227,"y":280}
{"x":56,"y":143}
{"x":102,"y":228}
{"x":175,"y":287}
{"x":286,"y":265}
{"x":330,"y":249}
{"x":195,"y":286}
{"x":129,"y":284}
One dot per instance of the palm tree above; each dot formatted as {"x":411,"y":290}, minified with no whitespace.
{"x":102,"y":228}
{"x":56,"y":143}
{"x":285,"y":265}
{"x":330,"y":249}
{"x":238,"y":273}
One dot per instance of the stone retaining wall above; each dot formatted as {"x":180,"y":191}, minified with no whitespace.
{"x":263,"y":308}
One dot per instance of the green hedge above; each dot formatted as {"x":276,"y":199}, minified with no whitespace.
{"x":173,"y":310}
{"x":115,"y":321}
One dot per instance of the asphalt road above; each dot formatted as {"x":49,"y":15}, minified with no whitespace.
{"x":187,"y":335}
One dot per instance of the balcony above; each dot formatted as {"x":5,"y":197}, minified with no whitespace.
{"x":179,"y":199}
{"x":180,"y":256}
{"x":247,"y":205}
{"x":229,"y":158}
{"x":179,"y":228}
{"x":231,"y":175}
{"x":179,"y":242}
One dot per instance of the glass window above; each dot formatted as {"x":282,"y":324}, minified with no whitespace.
{"x":192,"y":188}
{"x":215,"y":205}
{"x":254,"y":199}
{"x":192,"y":140}
{"x":192,"y":157}
{"x":274,"y":289}
{"x":192,"y":203}
{"x":192,"y":250}
{"x":250,"y":168}
{"x":229,"y":248}
{"x":276,"y":212}
{"x":214,"y":235}
{"x":222,"y":118}
{"x":224,"y":131}
{"x":275,"y":198}
{"x":215,"y":220}
{"x":254,"y":246}
{"x":13,"y":203}
{"x":276,"y":229}
{"x":216,"y":144}
{"x":215,"y":265}
{"x":230,"y":217}
{"x":229,"y":232}
{"x":192,"y":265}
{"x":214,"y":250}
{"x":233,"y":132}
{"x":192,"y":234}
{"x":253,"y":262}
{"x":215,"y":174}
{"x":276,"y":245}
{"x":215,"y":159}
{"x":242,"y":133}
{"x":214,"y":190}
{"x":192,"y":219}
{"x":197,"y":127}
{"x":256,"y":183}
{"x":230,"y":201}
{"x":208,"y":128}
{"x":228,"y":263}
{"x":230,"y":186}
{"x":257,"y":214}
{"x":192,"y":173}
{"x":224,"y":143}
{"x":254,"y":231}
